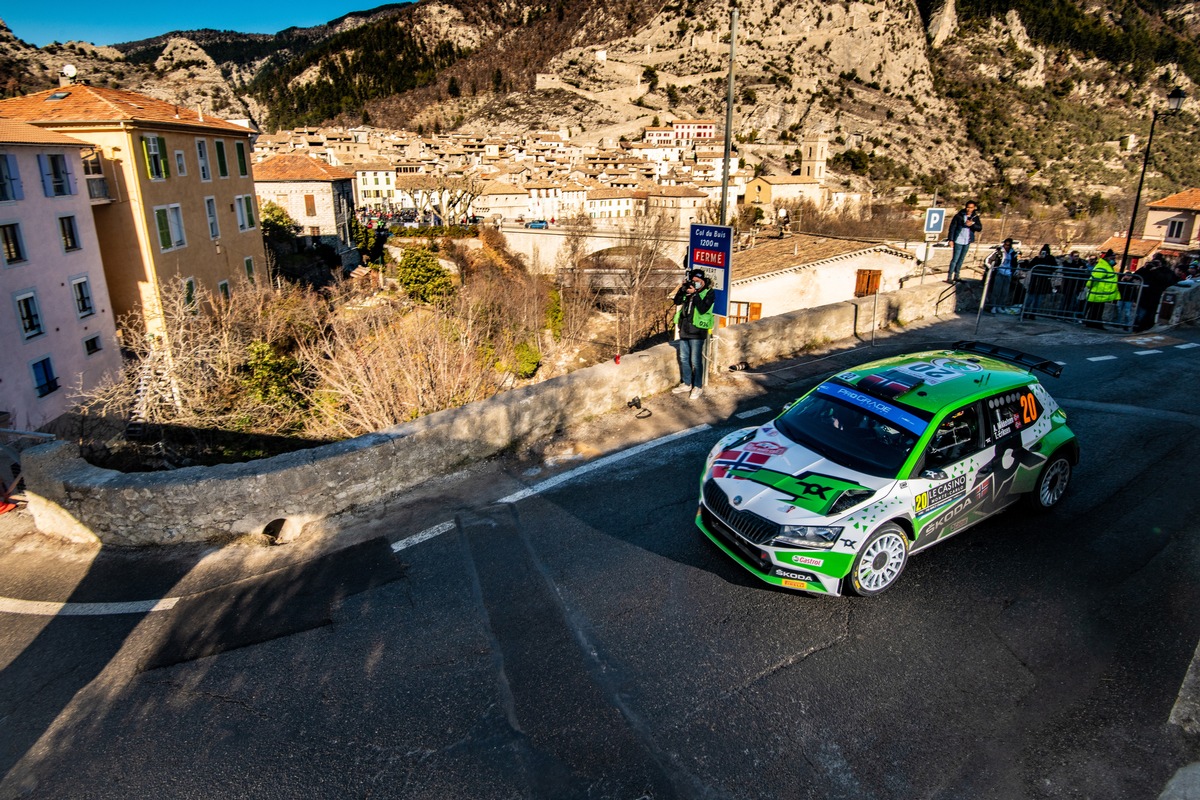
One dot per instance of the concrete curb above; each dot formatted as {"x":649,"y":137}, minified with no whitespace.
{"x":1185,"y":785}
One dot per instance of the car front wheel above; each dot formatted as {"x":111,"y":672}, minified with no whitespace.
{"x":879,"y":562}
{"x":1052,"y":483}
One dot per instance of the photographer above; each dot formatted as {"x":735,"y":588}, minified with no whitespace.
{"x":694,"y":319}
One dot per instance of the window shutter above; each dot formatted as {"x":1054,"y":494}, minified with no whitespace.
{"x":222,"y":166}
{"x":14,"y":177}
{"x":249,"y":210}
{"x":70,"y":176}
{"x":146,"y":155}
{"x":162,"y":157}
{"x":164,"y":228}
{"x":241,"y":156}
{"x":47,"y":175}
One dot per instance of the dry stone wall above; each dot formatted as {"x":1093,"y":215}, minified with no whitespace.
{"x":306,"y":492}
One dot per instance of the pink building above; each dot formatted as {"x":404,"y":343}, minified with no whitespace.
{"x":57,"y":331}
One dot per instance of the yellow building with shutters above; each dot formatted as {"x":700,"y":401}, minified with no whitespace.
{"x":172,"y":192}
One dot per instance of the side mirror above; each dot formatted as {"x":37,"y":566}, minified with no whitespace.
{"x":934,"y":475}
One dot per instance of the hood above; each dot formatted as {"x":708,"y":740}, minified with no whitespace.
{"x":787,"y":483}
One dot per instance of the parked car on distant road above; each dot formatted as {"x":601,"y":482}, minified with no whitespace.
{"x":537,"y":223}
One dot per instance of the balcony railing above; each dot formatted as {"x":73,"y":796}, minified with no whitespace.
{"x":98,"y":188}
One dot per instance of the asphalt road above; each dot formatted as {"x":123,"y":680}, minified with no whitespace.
{"x":589,"y":642}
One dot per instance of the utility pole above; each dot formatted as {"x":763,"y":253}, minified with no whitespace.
{"x":733,"y":15}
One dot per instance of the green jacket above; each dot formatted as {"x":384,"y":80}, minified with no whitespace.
{"x":1102,"y":286}
{"x":706,"y":320}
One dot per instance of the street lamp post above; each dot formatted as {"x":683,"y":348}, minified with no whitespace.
{"x":1174,"y":103}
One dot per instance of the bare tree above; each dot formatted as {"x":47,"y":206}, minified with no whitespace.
{"x":644,"y":278}
{"x":577,"y":292}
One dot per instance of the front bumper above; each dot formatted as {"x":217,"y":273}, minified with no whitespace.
{"x":815,"y":572}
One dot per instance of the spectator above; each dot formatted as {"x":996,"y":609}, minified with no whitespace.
{"x":694,"y":320}
{"x":963,"y":227}
{"x":1042,"y":271}
{"x":1101,"y":290}
{"x":1156,"y":278}
{"x":1074,"y":281}
{"x":1003,"y":263}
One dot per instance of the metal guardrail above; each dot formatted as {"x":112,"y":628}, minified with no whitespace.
{"x":1061,"y":293}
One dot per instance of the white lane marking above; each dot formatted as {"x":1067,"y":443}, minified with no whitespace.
{"x":1146,"y":352}
{"x":550,"y":483}
{"x":35,"y":608}
{"x":1102,"y":358}
{"x":754,"y":412}
{"x":425,"y":535}
{"x":1187,"y":346}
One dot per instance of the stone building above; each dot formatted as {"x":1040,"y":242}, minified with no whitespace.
{"x":319,"y":197}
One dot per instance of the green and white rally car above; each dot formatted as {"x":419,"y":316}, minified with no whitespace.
{"x":882,"y":461}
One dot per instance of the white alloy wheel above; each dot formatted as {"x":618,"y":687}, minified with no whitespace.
{"x":880,"y":562}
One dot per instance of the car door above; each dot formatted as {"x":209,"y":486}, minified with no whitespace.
{"x":951,"y":486}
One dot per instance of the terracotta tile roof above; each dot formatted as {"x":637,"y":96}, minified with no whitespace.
{"x":83,"y":103}
{"x":799,"y":250}
{"x":299,"y":168}
{"x":14,"y":132}
{"x":676,"y":191}
{"x":610,"y":194}
{"x":1187,"y":200}
{"x":785,"y":180}
{"x":1138,"y":248}
{"x":499,"y":187}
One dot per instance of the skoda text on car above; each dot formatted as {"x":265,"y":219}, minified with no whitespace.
{"x":884,"y":460}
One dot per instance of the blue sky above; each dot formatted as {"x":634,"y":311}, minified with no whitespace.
{"x":108,"y":23}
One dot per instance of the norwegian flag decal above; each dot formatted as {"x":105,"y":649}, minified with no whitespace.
{"x":737,"y":459}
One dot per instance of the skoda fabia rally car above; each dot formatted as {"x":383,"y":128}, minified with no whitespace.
{"x":882,"y":461}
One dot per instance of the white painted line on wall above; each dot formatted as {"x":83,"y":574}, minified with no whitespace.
{"x":754,"y":412}
{"x":35,"y":608}
{"x":1187,"y":346}
{"x":1146,"y":352}
{"x":1102,"y":358}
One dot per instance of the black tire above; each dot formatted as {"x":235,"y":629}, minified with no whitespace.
{"x":880,"y":562}
{"x":1052,"y":483}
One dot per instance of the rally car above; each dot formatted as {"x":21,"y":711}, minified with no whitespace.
{"x":884,"y":460}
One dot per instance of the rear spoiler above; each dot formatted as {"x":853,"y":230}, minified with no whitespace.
{"x":1027,"y":360}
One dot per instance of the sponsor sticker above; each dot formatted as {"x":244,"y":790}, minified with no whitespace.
{"x":814,"y":562}
{"x":939,"y":370}
{"x":737,"y":460}
{"x":793,"y":575}
{"x":848,"y":377}
{"x":770,"y":448}
{"x":942,"y":493}
{"x":795,"y":584}
{"x":897,"y":416}
{"x":809,"y":490}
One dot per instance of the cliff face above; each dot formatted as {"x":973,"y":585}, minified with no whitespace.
{"x":930,"y":91}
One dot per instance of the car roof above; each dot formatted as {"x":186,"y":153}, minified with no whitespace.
{"x":920,"y":380}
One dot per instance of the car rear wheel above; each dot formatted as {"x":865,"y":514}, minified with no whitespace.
{"x":880,"y":561}
{"x":1052,"y":483}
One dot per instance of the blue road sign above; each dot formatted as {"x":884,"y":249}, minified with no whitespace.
{"x":710,"y":248}
{"x":935,"y":219}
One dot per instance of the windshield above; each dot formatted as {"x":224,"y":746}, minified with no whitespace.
{"x":853,"y":429}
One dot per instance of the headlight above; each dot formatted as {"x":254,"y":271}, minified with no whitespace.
{"x":849,"y":499}
{"x":807,"y":536}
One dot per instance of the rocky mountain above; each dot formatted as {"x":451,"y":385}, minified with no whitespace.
{"x":1023,"y":100}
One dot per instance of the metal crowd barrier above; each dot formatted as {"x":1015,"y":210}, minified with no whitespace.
{"x":1061,"y":293}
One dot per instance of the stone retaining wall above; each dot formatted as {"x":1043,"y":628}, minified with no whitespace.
{"x":299,"y":493}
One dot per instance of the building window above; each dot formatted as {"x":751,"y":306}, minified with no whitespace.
{"x":1175,"y":229}
{"x":44,"y":380}
{"x":14,"y":248}
{"x":244,"y":204}
{"x":169,"y":220}
{"x":222,"y":164}
{"x":154,"y":148}
{"x":93,"y":172}
{"x":31,"y":318}
{"x":10,"y":179}
{"x":83,"y":297}
{"x":202,"y":160}
{"x":57,"y":180}
{"x":310,"y":205}
{"x":223,"y":288}
{"x":240,"y":147}
{"x":69,"y":233}
{"x":250,"y":268}
{"x":180,"y":163}
{"x":91,"y":345}
{"x":210,"y":208}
